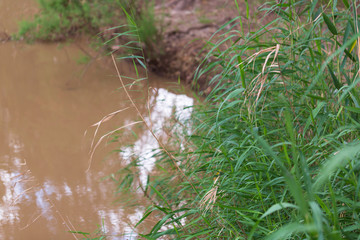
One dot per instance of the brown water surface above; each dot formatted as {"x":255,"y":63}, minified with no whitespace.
{"x":47,"y":102}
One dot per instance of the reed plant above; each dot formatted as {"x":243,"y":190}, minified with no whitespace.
{"x":273,"y":153}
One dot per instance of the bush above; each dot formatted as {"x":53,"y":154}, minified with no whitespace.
{"x":60,"y":19}
{"x":274,"y":152}
{"x":57,"y":20}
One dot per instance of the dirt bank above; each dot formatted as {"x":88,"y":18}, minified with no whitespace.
{"x":182,"y":28}
{"x":185,"y":27}
{"x":188,"y":26}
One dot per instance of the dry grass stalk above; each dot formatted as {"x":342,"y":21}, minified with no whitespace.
{"x":104,"y":119}
{"x":209,"y":199}
{"x":102,"y":138}
{"x":147,"y":125}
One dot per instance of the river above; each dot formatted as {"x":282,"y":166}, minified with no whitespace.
{"x":48,"y":104}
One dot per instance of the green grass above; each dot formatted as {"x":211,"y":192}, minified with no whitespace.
{"x":274,"y":150}
{"x":59,"y":19}
{"x":137,"y":28}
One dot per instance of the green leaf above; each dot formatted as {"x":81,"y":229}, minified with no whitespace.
{"x":346,"y":3}
{"x":277,"y":207}
{"x":79,"y":232}
{"x":247,"y":9}
{"x":159,"y":194}
{"x":316,"y":97}
{"x":242,"y":72}
{"x":166,"y":232}
{"x":329,"y":24}
{"x":351,"y":228}
{"x":313,"y":5}
{"x":337,"y":84}
{"x":286,"y":231}
{"x":353,"y":109}
{"x":338,"y":160}
{"x":161,"y":223}
{"x":148,"y":212}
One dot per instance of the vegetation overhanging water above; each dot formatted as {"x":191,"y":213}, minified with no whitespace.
{"x":51,"y":93}
{"x":274,"y":151}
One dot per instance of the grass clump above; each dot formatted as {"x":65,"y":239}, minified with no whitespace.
{"x":59,"y":19}
{"x":274,"y":152}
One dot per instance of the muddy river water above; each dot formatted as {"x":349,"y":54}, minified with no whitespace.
{"x":48,"y":101}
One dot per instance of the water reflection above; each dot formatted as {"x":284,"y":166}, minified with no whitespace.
{"x":47,"y":102}
{"x":44,"y":112}
{"x":163,"y":105}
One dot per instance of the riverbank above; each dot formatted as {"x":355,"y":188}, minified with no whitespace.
{"x":185,"y":28}
{"x":174,"y":34}
{"x":274,"y":151}
{"x":49,"y":98}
